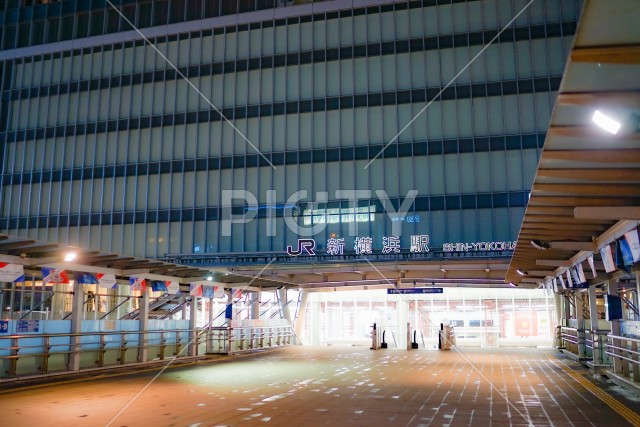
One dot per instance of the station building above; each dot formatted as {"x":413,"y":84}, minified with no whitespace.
{"x":238,"y":150}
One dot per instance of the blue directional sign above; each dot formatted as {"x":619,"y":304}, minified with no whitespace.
{"x":404,"y":291}
{"x":4,"y":326}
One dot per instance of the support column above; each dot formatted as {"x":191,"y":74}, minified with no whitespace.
{"x":582,"y":349}
{"x":255,"y":305}
{"x":302,"y":313}
{"x":77,"y":314}
{"x":559,"y":319}
{"x":284,"y":307}
{"x":209,"y":344}
{"x":314,"y":322}
{"x":595,"y":333}
{"x":192,"y":349}
{"x":124,"y":309}
{"x":402,"y":315}
{"x":143,"y":319}
{"x":612,"y":289}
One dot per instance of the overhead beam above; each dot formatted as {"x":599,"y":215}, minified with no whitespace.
{"x":593,"y":174}
{"x":599,"y":99}
{"x":549,"y":210}
{"x":13,"y":245}
{"x":553,"y":262}
{"x":590,"y":189}
{"x":627,"y":54}
{"x":565,"y":226}
{"x":595,"y":156}
{"x":587,"y":132}
{"x":631,"y":213}
{"x":584,"y":201}
{"x":573,"y":246}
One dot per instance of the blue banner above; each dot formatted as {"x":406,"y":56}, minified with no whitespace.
{"x":401,"y":291}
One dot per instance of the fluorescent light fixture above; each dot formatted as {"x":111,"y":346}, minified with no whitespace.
{"x":210,"y":278}
{"x":70,"y":256}
{"x":606,"y":122}
{"x":520,"y":272}
{"x":443,"y":270}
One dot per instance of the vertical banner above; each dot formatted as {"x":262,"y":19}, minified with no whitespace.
{"x":634,"y":244}
{"x":592,"y":264}
{"x":107,"y":280}
{"x":569,"y":281}
{"x":137,"y":284}
{"x":11,"y":272}
{"x":54,"y":275}
{"x":85,"y":278}
{"x":575,"y":276}
{"x":607,"y":259}
{"x":562,"y":282}
{"x":158,"y":286}
{"x":555,"y":285}
{"x":580,"y":271}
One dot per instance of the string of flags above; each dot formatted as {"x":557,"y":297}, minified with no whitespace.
{"x":15,"y":273}
{"x":619,"y":254}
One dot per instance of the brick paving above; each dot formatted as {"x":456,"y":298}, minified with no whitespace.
{"x":334,"y":386}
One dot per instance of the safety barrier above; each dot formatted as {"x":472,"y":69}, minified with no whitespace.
{"x":35,"y":355}
{"x":625,"y":355}
{"x":222,"y":340}
{"x":569,"y":339}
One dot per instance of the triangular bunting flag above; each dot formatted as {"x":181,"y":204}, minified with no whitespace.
{"x":173,"y":287}
{"x":607,"y":259}
{"x":634,"y":244}
{"x":592,"y":264}
{"x":54,"y":275}
{"x":137,"y":284}
{"x":85,"y":278}
{"x":11,"y":272}
{"x":581,"y":276}
{"x":195,"y":289}
{"x":106,"y":280}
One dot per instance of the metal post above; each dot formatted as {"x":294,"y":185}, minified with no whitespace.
{"x":76,"y":327}
{"x":143,"y":326}
{"x":193,"y":334}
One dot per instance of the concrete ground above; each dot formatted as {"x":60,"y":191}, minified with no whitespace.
{"x":337,"y":386}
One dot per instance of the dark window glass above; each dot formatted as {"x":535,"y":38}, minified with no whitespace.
{"x":97,"y":22}
{"x":52,"y":30}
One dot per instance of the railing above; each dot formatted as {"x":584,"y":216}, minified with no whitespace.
{"x":625,"y":355}
{"x":569,"y":339}
{"x":223,"y":340}
{"x":33,"y":355}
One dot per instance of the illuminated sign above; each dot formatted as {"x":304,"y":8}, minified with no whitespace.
{"x":306,"y":245}
{"x":404,"y":291}
{"x":479,"y":246}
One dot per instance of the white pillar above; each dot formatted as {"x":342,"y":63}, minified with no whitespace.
{"x":582,"y":351}
{"x":402,"y":315}
{"x":255,"y":305}
{"x":284,"y":307}
{"x":302,"y":312}
{"x":77,"y":313}
{"x":124,"y":309}
{"x":314,"y":322}
{"x":143,"y":326}
{"x":595,"y":334}
{"x":612,"y":289}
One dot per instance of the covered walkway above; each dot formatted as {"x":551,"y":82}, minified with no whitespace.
{"x":312,"y":386}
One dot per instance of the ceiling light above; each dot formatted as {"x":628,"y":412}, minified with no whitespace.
{"x":539,"y":244}
{"x":70,"y":256}
{"x":521,"y":272}
{"x":210,"y":277}
{"x":443,"y":270}
{"x":606,"y":122}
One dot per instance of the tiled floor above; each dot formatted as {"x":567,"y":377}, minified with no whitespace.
{"x":336,"y":386}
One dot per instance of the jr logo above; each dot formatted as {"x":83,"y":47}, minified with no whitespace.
{"x":308,"y":245}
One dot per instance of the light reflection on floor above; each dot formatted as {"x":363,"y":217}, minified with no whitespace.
{"x":333,"y":386}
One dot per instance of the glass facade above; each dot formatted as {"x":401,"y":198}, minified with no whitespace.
{"x":107,"y":146}
{"x":480,"y":317}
